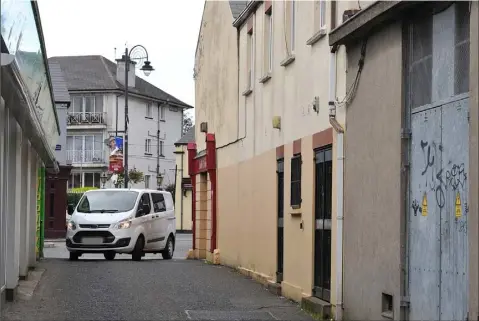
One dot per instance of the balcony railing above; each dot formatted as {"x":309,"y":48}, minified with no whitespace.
{"x":86,"y":118}
{"x":86,"y":156}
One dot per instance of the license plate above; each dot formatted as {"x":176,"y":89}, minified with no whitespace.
{"x":92,"y":240}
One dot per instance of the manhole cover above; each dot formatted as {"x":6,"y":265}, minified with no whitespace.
{"x":228,"y":315}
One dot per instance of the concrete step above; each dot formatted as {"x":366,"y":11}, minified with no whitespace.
{"x":317,"y":307}
{"x":26,"y":287}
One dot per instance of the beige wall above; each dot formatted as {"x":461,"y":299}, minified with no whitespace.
{"x":372,"y":194}
{"x":247,"y":210}
{"x":216,"y":69}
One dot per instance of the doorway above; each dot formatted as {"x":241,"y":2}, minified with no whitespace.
{"x":322,"y":236}
{"x":280,"y":204}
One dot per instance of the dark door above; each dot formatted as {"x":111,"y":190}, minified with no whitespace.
{"x":322,"y":237}
{"x":280,"y":203}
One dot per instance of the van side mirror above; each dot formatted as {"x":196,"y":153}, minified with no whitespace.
{"x":71,"y":209}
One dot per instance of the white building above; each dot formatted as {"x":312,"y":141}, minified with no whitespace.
{"x":96,"y":88}
{"x":29,"y":131}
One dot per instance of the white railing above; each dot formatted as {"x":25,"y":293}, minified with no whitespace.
{"x":86,"y":156}
{"x":86,"y":118}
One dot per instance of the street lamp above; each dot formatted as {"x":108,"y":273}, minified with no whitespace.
{"x":103,"y":179}
{"x":159,"y":179}
{"x":147,"y":69}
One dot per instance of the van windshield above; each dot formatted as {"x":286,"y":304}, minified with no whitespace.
{"x":107,"y":202}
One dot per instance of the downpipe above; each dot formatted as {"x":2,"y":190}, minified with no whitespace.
{"x":339,"y":185}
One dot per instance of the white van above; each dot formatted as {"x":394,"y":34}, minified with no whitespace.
{"x":126,"y":221}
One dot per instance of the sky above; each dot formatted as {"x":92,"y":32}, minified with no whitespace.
{"x":167,"y":28}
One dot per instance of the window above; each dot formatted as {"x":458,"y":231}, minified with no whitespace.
{"x":75,"y":180}
{"x":86,"y":109}
{"x":250,"y":60}
{"x":147,"y":146}
{"x":158,"y":202}
{"x":87,"y":104}
{"x":147,"y":181}
{"x":320,"y":15}
{"x":162,"y":112}
{"x":438,"y":67}
{"x":84,"y":180}
{"x":161,"y":148}
{"x":107,"y":202}
{"x":268,"y":41}
{"x":293,"y":26}
{"x":149,"y":111}
{"x":85,"y":148}
{"x":145,"y":201}
{"x":296,"y":163}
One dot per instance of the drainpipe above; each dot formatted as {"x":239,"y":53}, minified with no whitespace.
{"x":181,"y":190}
{"x":340,"y":184}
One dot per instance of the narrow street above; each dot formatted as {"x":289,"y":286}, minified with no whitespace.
{"x":153,"y":289}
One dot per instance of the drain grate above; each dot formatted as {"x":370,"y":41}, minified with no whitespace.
{"x":228,"y":315}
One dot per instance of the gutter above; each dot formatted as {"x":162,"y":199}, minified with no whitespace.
{"x":339,"y":185}
{"x":36,"y":15}
{"x":250,"y":8}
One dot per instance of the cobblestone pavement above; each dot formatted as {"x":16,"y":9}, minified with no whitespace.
{"x":155,"y":289}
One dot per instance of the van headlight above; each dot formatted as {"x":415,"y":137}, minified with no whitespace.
{"x":123,"y":224}
{"x":72,"y":225}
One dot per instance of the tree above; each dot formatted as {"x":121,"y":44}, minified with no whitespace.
{"x":187,"y":123}
{"x":171,"y":188}
{"x":134,"y":177}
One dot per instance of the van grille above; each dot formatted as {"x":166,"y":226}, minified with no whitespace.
{"x":92,"y":226}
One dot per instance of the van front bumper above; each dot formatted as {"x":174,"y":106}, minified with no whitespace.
{"x":119,"y":241}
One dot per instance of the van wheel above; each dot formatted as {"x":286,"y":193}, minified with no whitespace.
{"x":138,"y":250}
{"x":109,"y":256}
{"x":73,"y":256}
{"x":167,"y":253}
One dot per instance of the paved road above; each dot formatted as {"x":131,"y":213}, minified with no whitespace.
{"x":57,"y":250}
{"x":96,"y":289}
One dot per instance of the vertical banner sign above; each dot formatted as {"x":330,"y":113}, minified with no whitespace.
{"x":116,"y":155}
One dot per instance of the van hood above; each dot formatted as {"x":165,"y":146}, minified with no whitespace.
{"x":99,"y":218}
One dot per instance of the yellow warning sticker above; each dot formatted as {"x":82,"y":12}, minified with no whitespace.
{"x":424,"y":205}
{"x":458,"y":205}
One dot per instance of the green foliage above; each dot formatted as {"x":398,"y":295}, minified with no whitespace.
{"x":135,"y":176}
{"x":171,"y":188}
{"x":74,"y":195}
{"x":187,"y":123}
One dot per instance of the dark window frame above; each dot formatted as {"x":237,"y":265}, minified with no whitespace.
{"x":296,"y":178}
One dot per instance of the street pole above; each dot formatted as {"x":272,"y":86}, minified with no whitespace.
{"x":125,"y":141}
{"x":158,"y":146}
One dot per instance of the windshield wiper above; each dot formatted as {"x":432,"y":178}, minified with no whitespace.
{"x":102,"y":211}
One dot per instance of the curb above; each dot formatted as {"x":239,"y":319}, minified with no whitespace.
{"x":54,"y":240}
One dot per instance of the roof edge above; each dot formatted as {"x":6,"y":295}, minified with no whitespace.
{"x":121,"y":91}
{"x":250,"y":8}
{"x":367,"y":19}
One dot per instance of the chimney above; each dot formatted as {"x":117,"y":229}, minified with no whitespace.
{"x":120,"y":72}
